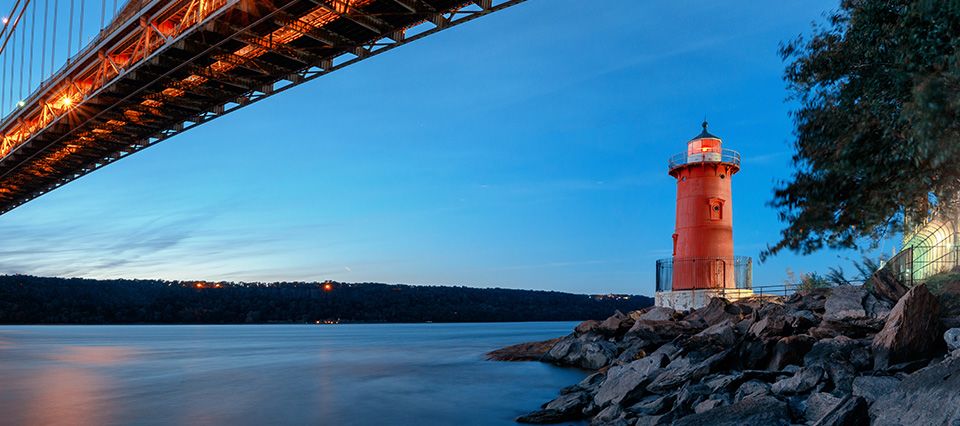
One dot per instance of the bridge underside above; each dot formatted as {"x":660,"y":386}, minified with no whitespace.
{"x":239,"y":54}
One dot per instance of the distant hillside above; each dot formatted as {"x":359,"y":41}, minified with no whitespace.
{"x":39,"y":300}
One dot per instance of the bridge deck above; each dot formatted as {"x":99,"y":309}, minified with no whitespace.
{"x":164,"y":67}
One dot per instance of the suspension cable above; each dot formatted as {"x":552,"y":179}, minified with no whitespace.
{"x":70,"y":32}
{"x":80,"y":31}
{"x":43,"y":49}
{"x":53,"y":46}
{"x":33,"y":33}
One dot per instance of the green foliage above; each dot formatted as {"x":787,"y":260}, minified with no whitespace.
{"x":812,"y":281}
{"x":877,"y":125}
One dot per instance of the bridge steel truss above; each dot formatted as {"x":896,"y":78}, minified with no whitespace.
{"x":163,"y":67}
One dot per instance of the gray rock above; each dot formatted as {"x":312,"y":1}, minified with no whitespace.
{"x":615,"y":325}
{"x":653,"y":405}
{"x":682,"y":369}
{"x":804,"y":380}
{"x":691,"y":395}
{"x":658,"y":313}
{"x":852,"y":411}
{"x":911,"y":331}
{"x":830,"y":350}
{"x":751,"y":389}
{"x":774,"y":324}
{"x":819,"y":404}
{"x":622,"y":380}
{"x":790,"y":350}
{"x":594,"y":355}
{"x":927,"y":397}
{"x":845,"y":303}
{"x":564,"y":408}
{"x":611,"y":415}
{"x":841,"y":373}
{"x":723,"y":382}
{"x":872,"y":388}
{"x":952,"y":337}
{"x":719,"y":336}
{"x":714,"y":313}
{"x":762,"y":410}
{"x":661,"y":420}
{"x":586,"y":327}
{"x":707,"y":405}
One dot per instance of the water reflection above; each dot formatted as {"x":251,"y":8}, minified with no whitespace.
{"x":253,"y":375}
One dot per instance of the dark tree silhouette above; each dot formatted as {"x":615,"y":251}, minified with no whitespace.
{"x":39,"y":300}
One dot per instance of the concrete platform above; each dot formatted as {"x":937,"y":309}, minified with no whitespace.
{"x":684,"y":300}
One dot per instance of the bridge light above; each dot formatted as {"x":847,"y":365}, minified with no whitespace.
{"x":5,"y":20}
{"x":327,"y":287}
{"x":66,"y":101}
{"x":21,"y":104}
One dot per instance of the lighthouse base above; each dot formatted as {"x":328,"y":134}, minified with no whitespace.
{"x":685,"y":300}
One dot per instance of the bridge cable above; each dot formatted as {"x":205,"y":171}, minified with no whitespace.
{"x":103,"y":12}
{"x":70,"y":32}
{"x":53,"y":46}
{"x":43,"y":43}
{"x":33,"y":34}
{"x":80,"y":31}
{"x":13,"y":11}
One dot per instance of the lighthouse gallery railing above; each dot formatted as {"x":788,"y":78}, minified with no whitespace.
{"x":711,"y":156}
{"x":742,"y":267}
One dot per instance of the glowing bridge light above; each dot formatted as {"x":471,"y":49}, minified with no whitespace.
{"x":66,"y":101}
{"x":5,"y":20}
{"x":21,"y":104}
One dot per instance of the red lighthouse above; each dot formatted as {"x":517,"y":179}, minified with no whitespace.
{"x":703,"y":264}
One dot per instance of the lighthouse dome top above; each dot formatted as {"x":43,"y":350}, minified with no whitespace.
{"x":705,"y":134}
{"x":705,"y":148}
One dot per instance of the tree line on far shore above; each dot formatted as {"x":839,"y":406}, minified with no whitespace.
{"x":41,"y":300}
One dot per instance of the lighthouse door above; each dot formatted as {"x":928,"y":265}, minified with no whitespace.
{"x":717,"y":274}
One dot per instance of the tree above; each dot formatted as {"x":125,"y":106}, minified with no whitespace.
{"x":878,"y":123}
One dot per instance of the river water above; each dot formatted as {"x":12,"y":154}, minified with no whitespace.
{"x":391,"y":374}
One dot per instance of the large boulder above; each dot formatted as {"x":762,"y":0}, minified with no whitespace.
{"x":819,"y":404}
{"x":615,"y":325}
{"x":565,"y":408}
{"x":622,"y":380}
{"x":658,"y":313}
{"x":790,"y":350}
{"x":885,"y":284}
{"x":801,"y":382}
{"x":911,"y":331}
{"x":851,"y":411}
{"x":845,"y":303}
{"x":531,"y":351}
{"x":761,"y":410}
{"x":683,"y":369}
{"x":927,"y":397}
{"x":585,"y":327}
{"x":718,"y":310}
{"x":873,"y":388}
{"x":583,"y":352}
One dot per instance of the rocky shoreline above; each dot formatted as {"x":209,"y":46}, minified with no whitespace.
{"x":845,"y":355}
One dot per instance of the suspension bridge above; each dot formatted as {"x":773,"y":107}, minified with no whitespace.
{"x":83,"y":84}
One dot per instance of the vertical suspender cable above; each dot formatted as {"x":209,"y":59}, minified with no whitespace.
{"x":23,"y":58}
{"x":80,"y":31}
{"x":33,"y":33}
{"x":43,"y":43}
{"x":53,"y":46}
{"x":103,"y":12}
{"x":70,"y":33}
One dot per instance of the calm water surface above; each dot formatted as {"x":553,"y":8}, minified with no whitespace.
{"x":418,"y":374}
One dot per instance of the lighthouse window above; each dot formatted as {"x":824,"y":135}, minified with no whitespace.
{"x":716,"y":209}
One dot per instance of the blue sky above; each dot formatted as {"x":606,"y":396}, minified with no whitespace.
{"x":526,"y":149}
